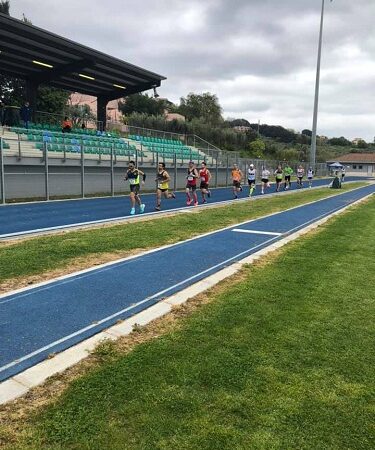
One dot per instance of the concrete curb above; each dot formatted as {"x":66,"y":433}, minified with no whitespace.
{"x":20,"y":384}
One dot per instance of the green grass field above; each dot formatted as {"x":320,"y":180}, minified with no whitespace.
{"x":43,"y":254}
{"x":283,"y":359}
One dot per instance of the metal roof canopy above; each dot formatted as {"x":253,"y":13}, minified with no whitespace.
{"x":41,"y":57}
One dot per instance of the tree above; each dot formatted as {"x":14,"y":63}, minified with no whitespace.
{"x":5,"y":7}
{"x":143,"y":104}
{"x":52,"y":100}
{"x":341,"y":141}
{"x":13,"y":90}
{"x":201,"y":106}
{"x":362,"y":144}
{"x":257,"y":148}
{"x":79,"y":114}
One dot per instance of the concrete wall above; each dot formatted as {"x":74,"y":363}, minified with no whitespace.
{"x":25,"y":179}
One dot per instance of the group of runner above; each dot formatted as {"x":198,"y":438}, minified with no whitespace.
{"x":282,"y":178}
{"x":201,"y":178}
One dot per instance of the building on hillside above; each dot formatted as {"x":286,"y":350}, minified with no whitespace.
{"x":113,"y":114}
{"x":174,"y":116}
{"x":323,"y":139}
{"x":358,"y":163}
{"x":241,"y":129}
{"x":357,"y":140}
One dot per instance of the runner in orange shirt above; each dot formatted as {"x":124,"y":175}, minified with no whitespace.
{"x":236,"y":178}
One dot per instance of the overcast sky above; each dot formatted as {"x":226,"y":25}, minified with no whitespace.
{"x":258,"y":56}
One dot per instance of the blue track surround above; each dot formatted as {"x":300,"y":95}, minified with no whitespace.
{"x":30,"y":218}
{"x":53,"y":316}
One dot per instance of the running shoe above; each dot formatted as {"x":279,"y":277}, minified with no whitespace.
{"x":142,"y":208}
{"x":132,"y":211}
{"x":195,"y":203}
{"x":208,"y":194}
{"x":204,"y":201}
{"x":188,"y":202}
{"x":173,"y":195}
{"x":157,"y":208}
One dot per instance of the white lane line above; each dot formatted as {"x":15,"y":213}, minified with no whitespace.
{"x":269,"y":233}
{"x":158,"y":294}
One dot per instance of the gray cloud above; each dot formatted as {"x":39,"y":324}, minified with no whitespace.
{"x":258,"y":56}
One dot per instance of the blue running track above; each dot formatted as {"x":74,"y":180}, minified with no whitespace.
{"x":29,"y":218}
{"x":54,"y":316}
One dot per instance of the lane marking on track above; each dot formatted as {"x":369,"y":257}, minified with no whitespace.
{"x":129,"y":308}
{"x":268,"y":233}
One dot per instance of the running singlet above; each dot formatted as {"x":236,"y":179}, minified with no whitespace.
{"x":251,"y":174}
{"x":203,"y":173}
{"x":161,"y":177}
{"x":265,"y":174}
{"x":279,"y":174}
{"x":191,"y":179}
{"x":288,"y":171}
{"x":300,"y":173}
{"x":236,"y":175}
{"x":310,"y":173}
{"x":133,"y":176}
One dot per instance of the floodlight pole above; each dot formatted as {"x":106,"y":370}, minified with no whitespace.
{"x":317,"y":84}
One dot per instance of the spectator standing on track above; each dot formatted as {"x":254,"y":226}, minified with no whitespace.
{"x":162,"y":190}
{"x":300,"y":175}
{"x":25,"y":114}
{"x":310,"y":176}
{"x":191,"y":184}
{"x":288,"y":172}
{"x":67,"y":125}
{"x":343,"y":172}
{"x":278,"y":177}
{"x":265,"y":179}
{"x":251,"y":178}
{"x":205,"y":176}
{"x":236,"y":178}
{"x":133,"y":175}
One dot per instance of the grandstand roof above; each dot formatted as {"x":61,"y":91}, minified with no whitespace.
{"x":37,"y":55}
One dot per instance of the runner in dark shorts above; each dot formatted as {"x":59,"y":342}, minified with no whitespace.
{"x":133,"y":176}
{"x":236,"y":178}
{"x":162,"y":180}
{"x":191,"y":184}
{"x":205,"y":176}
{"x":278,"y":177}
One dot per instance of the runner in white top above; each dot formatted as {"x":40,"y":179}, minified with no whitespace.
{"x":343,"y":172}
{"x":310,"y":176}
{"x":251,"y":178}
{"x":265,"y":179}
{"x":300,"y":175}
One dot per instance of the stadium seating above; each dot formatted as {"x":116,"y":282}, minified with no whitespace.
{"x":72,"y":142}
{"x":166,"y":147}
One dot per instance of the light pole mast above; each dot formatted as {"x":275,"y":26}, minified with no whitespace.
{"x":317,"y":84}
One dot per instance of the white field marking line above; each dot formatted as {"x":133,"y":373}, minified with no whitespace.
{"x":241,"y":230}
{"x":129,"y":218}
{"x":344,"y":208}
{"x":129,"y":308}
{"x":148,"y":252}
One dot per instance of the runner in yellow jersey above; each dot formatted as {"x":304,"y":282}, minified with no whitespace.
{"x":162,"y":179}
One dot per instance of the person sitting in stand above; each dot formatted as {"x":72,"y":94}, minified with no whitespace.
{"x":67,"y":125}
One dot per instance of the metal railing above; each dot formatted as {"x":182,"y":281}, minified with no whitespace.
{"x":219,"y":164}
{"x":10,"y":116}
